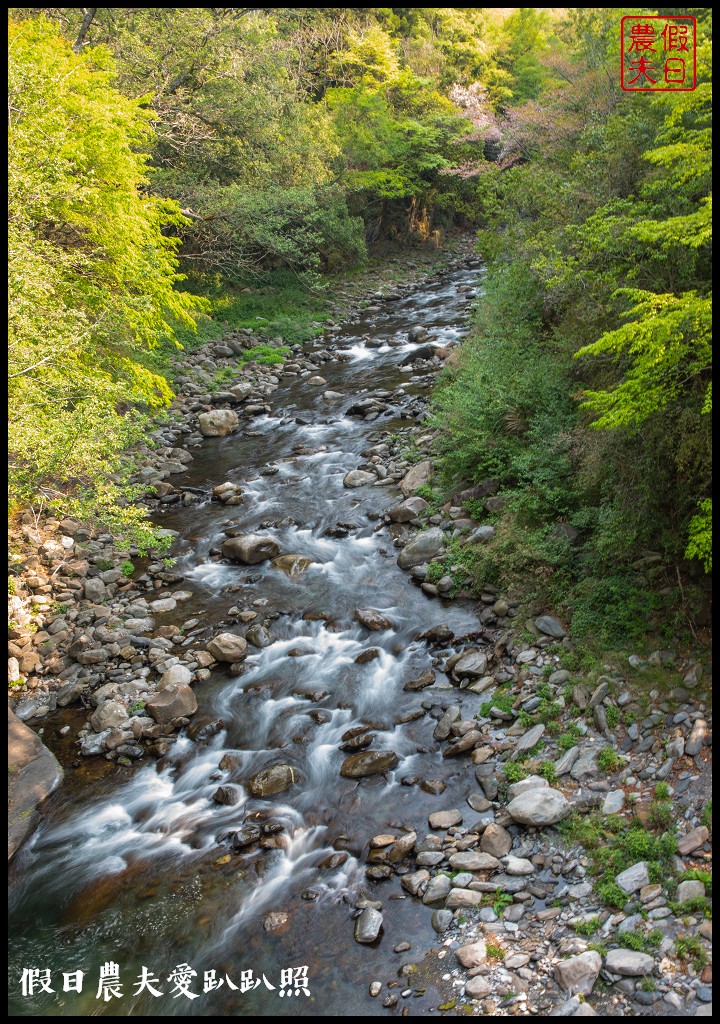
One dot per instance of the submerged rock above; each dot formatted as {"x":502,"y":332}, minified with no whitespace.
{"x":250,"y":548}
{"x":275,"y":779}
{"x":370,"y":762}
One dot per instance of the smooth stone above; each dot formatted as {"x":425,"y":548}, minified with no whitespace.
{"x":368,"y":925}
{"x":550,"y":626}
{"x":445,"y":819}
{"x":633,"y":878}
{"x":628,"y":963}
{"x":275,"y":779}
{"x":370,"y":762}
{"x":425,"y":547}
{"x":525,"y":785}
{"x":579,"y":973}
{"x":228,"y":647}
{"x":496,"y":840}
{"x":471,"y":955}
{"x":692,"y":840}
{"x":539,"y":807}
{"x":471,"y":860}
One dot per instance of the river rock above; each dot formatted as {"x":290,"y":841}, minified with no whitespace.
{"x":293,"y":565}
{"x":633,"y":878}
{"x":250,"y":548}
{"x":445,"y":819}
{"x":275,"y":779}
{"x":539,"y":807}
{"x":358,"y":477}
{"x":218,"y":423}
{"x":693,"y":840}
{"x":416,"y":477}
{"x":694,"y":742}
{"x":175,"y":674}
{"x":496,"y":840}
{"x":427,"y":546}
{"x":33,"y":774}
{"x":228,"y":795}
{"x":550,"y":626}
{"x":414,"y":882}
{"x":473,"y":954}
{"x":629,"y":963}
{"x":109,"y":715}
{"x":368,"y":925}
{"x":407,"y":510}
{"x":173,"y":702}
{"x":259,"y":637}
{"x":473,"y":860}
{"x":518,"y":865}
{"x":426,"y":678}
{"x":579,"y":974}
{"x":525,"y":785}
{"x":373,"y":620}
{"x":471,"y":663}
{"x":370,"y":762}
{"x":401,"y":848}
{"x":438,"y":890}
{"x":478,"y":987}
{"x":689,"y":890}
{"x":528,"y":740}
{"x":228,"y":647}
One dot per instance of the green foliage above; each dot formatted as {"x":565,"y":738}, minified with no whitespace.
{"x":588,"y":927}
{"x":127,"y":569}
{"x":546,"y":770}
{"x":610,"y":894}
{"x":503,"y":702}
{"x":495,"y":952}
{"x":690,"y":947}
{"x":569,"y":739}
{"x":265,"y":355}
{"x":501,"y":900}
{"x":92,"y":270}
{"x":648,"y":984}
{"x":139,"y":705}
{"x":698,"y":875}
{"x":706,"y":815}
{"x":612,"y":713}
{"x":513,"y":771}
{"x":608,"y":761}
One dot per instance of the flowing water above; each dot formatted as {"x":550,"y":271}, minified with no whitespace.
{"x":127,"y":867}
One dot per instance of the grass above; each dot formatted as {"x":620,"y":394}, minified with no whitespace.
{"x":608,"y":761}
{"x":514,"y":772}
{"x":265,"y":355}
{"x":546,"y":770}
{"x":569,"y":738}
{"x":689,"y":947}
{"x":588,"y":927}
{"x":495,"y":952}
{"x":503,"y":702}
{"x":640,"y":942}
{"x":706,"y":816}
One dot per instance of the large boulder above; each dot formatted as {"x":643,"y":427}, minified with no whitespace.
{"x":427,"y":546}
{"x":250,"y":548}
{"x":33,"y":774}
{"x":407,"y":510}
{"x":416,"y":477}
{"x":358,"y":477}
{"x":539,"y":807}
{"x":579,"y":974}
{"x":228,"y":647}
{"x":109,"y":714}
{"x":173,"y":702}
{"x":218,"y":423}
{"x":275,"y":779}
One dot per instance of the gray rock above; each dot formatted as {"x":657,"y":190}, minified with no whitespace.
{"x":109,"y":715}
{"x":482,"y":534}
{"x":218,"y":423}
{"x":441,"y":920}
{"x":275,"y":779}
{"x":496,"y":840}
{"x":472,"y":860}
{"x":228,"y":647}
{"x":368,"y":925}
{"x":689,"y":890}
{"x":472,"y":663}
{"x":437,"y":890}
{"x":414,"y":882}
{"x":518,"y":865}
{"x":173,"y":702}
{"x":442,"y":729}
{"x":427,"y":546}
{"x":693,"y":840}
{"x":250,"y":548}
{"x":694,"y":742}
{"x":574,"y":1008}
{"x":459,"y":898}
{"x":614,"y":802}
{"x":579,"y":974}
{"x":358,"y":478}
{"x":550,"y":626}
{"x":525,"y":785}
{"x":416,"y":476}
{"x":539,"y":807}
{"x":445,"y":819}
{"x":95,"y":590}
{"x":175,"y":674}
{"x":400,"y":849}
{"x":227,"y":795}
{"x":472,"y":955}
{"x":478,"y":987}
{"x":528,"y":740}
{"x":585,"y":762}
{"x":629,"y":963}
{"x":633,"y":878}
{"x":259,"y":637}
{"x":407,"y":510}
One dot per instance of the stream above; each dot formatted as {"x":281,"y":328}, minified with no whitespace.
{"x":131,"y":871}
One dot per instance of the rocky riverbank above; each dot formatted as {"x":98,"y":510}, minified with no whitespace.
{"x":573,"y":876}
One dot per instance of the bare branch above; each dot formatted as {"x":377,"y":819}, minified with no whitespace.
{"x":87,"y":21}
